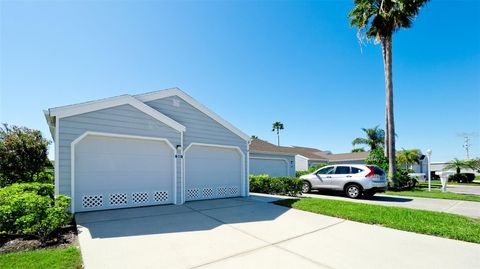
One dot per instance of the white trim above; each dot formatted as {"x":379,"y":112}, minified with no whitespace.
{"x":242,"y":155}
{"x":182,"y":172}
{"x":303,"y":157}
{"x":81,"y":137}
{"x":146,"y":97}
{"x":57,"y":158}
{"x":67,"y":111}
{"x":273,"y":158}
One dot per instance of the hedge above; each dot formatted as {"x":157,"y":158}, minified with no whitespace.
{"x":30,"y":209}
{"x":276,"y":185}
{"x":462,"y":177}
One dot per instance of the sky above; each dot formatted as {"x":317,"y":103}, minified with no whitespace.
{"x":253,"y":63}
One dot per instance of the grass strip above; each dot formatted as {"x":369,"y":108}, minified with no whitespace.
{"x":412,"y":220}
{"x":436,"y":194}
{"x":61,"y":258}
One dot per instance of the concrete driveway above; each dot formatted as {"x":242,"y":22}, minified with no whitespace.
{"x":250,"y":233}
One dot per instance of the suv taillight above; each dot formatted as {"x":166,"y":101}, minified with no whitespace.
{"x":371,"y":173}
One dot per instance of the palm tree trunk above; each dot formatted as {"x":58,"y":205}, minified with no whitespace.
{"x":278,"y":137}
{"x":390,"y":132}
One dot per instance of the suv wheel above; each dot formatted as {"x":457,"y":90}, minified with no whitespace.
{"x":353,"y":191}
{"x":306,"y":188}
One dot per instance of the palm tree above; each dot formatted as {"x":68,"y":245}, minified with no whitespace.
{"x":408,"y":157}
{"x":277,"y":126}
{"x":379,"y":19}
{"x":375,"y":138}
{"x":458,"y":165}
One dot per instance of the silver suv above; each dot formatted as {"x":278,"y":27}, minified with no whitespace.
{"x":354,"y":180}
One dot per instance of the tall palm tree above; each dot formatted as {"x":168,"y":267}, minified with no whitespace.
{"x":375,"y":138}
{"x":277,"y":126}
{"x":408,"y":157}
{"x":379,"y":19}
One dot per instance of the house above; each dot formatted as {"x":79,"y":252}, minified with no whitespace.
{"x":266,"y":158}
{"x":306,"y":157}
{"x":161,"y":147}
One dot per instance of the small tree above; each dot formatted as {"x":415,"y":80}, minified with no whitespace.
{"x":358,"y":150}
{"x":375,"y":138}
{"x":408,"y":157}
{"x":458,"y":165}
{"x":277,"y":126}
{"x":377,"y":157}
{"x":23,"y":154}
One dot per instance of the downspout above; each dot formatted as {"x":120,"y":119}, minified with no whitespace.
{"x":248,"y":168}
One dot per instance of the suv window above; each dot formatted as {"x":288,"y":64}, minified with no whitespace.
{"x":342,"y":170}
{"x":377,"y":170}
{"x":326,"y":170}
{"x":356,"y":170}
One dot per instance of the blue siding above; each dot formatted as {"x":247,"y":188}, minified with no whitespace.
{"x":123,"y":119}
{"x":200,"y":128}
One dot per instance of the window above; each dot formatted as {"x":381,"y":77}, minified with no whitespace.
{"x":377,"y":170}
{"x":356,"y":170}
{"x":326,"y":170}
{"x":342,"y":170}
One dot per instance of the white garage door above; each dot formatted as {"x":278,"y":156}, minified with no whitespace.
{"x":115,"y":172}
{"x":273,"y":167}
{"x":212,"y":172}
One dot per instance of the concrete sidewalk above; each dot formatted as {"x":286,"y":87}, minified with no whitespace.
{"x":465,"y":208}
{"x":250,"y":233}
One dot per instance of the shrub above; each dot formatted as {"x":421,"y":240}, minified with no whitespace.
{"x":405,"y":182}
{"x":23,"y":154}
{"x":276,"y":185}
{"x":462,"y":177}
{"x":30,"y":209}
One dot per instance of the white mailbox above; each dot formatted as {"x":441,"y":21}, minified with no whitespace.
{"x":444,"y":178}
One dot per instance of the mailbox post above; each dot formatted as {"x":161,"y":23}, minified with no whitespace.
{"x":444,"y":178}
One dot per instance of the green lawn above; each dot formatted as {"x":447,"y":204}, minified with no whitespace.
{"x":435,"y":193}
{"x":61,"y":258}
{"x":418,"y":221}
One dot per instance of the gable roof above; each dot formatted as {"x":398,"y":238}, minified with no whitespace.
{"x":353,"y":156}
{"x":147,"y":97}
{"x":71,"y":110}
{"x":258,"y":145}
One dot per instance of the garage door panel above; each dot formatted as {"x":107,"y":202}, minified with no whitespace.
{"x":272,"y":167}
{"x":113,"y":172}
{"x":212,"y":172}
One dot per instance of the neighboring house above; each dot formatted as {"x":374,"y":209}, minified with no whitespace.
{"x":266,"y":158}
{"x":306,"y":157}
{"x":440,"y":166}
{"x":299,"y":158}
{"x":162,"y":147}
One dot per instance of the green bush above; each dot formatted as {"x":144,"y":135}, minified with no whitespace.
{"x":30,"y":209}
{"x":462,"y":177}
{"x":405,"y":182}
{"x":276,"y":185}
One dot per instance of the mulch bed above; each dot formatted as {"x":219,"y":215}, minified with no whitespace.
{"x":65,"y":236}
